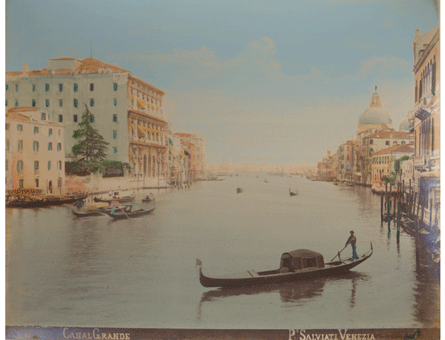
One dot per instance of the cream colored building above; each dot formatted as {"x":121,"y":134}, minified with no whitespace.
{"x":128,"y":112}
{"x":35,"y":151}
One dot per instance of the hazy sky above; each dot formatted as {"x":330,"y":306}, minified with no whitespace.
{"x":277,"y":82}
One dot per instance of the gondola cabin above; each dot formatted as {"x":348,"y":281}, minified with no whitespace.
{"x":300,"y":259}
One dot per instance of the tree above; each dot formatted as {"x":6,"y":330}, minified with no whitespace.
{"x":90,"y":146}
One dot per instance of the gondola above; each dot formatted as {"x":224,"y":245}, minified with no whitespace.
{"x":116,"y":197}
{"x":87,"y":213}
{"x":301,"y":264}
{"x":42,"y":201}
{"x":128,"y":210}
{"x":93,"y":209}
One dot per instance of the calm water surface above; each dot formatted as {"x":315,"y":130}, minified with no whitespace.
{"x":97,"y":272}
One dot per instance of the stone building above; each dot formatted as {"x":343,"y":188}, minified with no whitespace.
{"x":128,"y":112}
{"x":35,"y":151}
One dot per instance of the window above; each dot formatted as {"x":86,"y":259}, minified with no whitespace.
{"x":59,"y":146}
{"x":7,"y":126}
{"x":46,"y":87}
{"x":37,"y":182}
{"x":7,"y":145}
{"x":6,"y":103}
{"x":76,"y":103}
{"x":403,"y":142}
{"x":76,"y":87}
{"x":115,"y":86}
{"x":92,"y":119}
{"x":49,"y":165}
{"x":394,"y":143}
{"x":19,"y":166}
{"x":91,"y":102}
{"x":91,"y":86}
{"x":33,"y":103}
{"x":50,"y":132}
{"x":35,"y":146}
{"x":60,"y":87}
{"x":114,"y":150}
{"x":33,"y":87}
{"x":387,"y":142}
{"x":114,"y":134}
{"x":20,"y":183}
{"x":60,"y":102}
{"x":20,"y":146}
{"x":6,"y":165}
{"x":75,"y":118}
{"x":36,"y":166}
{"x":60,"y":118}
{"x":50,"y":146}
{"x":16,"y":87}
{"x":36,"y":130}
{"x":16,"y":103}
{"x":115,"y":101}
{"x":59,"y":165}
{"x":7,"y":87}
{"x":115,"y":118}
{"x":47,"y":102}
{"x":43,"y":116}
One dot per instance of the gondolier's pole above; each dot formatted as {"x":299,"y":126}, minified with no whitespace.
{"x":338,"y":254}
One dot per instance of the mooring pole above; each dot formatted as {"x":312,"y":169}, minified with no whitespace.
{"x":381,"y":208}
{"x":399,"y":215}
{"x":389,"y":214}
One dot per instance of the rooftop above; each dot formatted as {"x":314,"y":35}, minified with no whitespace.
{"x":409,"y":148}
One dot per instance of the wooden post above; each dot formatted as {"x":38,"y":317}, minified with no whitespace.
{"x":399,"y":214}
{"x":395,"y":205}
{"x":414,"y":205}
{"x":431,"y":213}
{"x":381,"y":208}
{"x":389,"y":214}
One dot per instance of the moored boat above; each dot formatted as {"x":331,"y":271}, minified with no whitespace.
{"x":128,"y":210}
{"x":116,"y":197}
{"x":296,"y":265}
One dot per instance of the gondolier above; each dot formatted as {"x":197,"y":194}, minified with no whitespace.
{"x":352,"y":240}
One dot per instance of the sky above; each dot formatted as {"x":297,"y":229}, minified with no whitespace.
{"x":270,"y":82}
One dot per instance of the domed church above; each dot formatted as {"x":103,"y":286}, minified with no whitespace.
{"x":375,"y":117}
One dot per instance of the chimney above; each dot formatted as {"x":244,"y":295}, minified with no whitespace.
{"x":416,"y":33}
{"x":25,"y":68}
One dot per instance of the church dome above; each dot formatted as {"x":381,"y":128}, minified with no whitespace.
{"x":404,"y":124}
{"x":375,"y":114}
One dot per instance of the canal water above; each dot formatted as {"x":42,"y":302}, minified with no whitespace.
{"x":140,"y":273}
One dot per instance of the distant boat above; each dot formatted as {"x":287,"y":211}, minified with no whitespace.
{"x":150,"y":197}
{"x":293,"y":193}
{"x":266,"y":180}
{"x":239,"y":190}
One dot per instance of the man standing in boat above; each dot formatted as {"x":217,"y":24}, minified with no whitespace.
{"x":352,"y":240}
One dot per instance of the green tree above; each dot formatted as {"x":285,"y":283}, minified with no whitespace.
{"x":90,"y":146}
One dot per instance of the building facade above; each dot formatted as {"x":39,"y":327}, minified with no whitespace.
{"x":128,"y":112}
{"x":426,"y":69}
{"x":35,"y":154}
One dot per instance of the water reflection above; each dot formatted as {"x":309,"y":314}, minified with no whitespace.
{"x":296,"y":293}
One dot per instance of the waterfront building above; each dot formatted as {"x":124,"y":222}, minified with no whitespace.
{"x":196,"y":154}
{"x":324,"y":169}
{"x":378,"y":141}
{"x":382,"y":165}
{"x":345,"y":154}
{"x":35,"y":151}
{"x":127,"y":111}
{"x":426,"y":69}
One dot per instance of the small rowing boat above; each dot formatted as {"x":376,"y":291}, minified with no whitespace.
{"x":296,"y":265}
